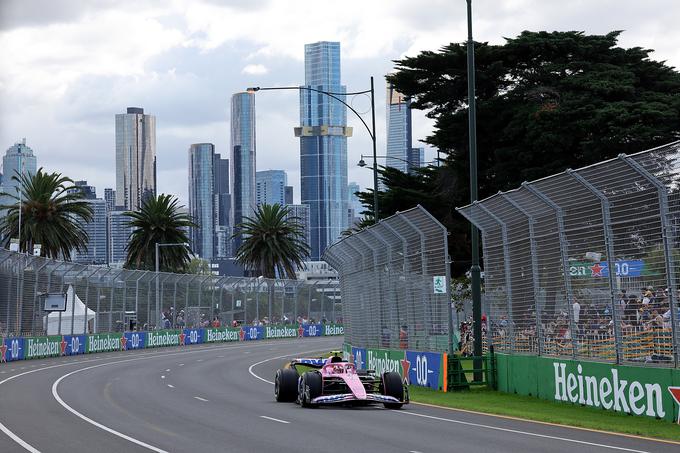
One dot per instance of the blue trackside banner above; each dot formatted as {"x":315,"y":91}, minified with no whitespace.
{"x":74,"y":344}
{"x":424,"y":368}
{"x":11,"y":349}
{"x":192,"y":336}
{"x":358,"y":357}
{"x":310,"y":330}
{"x":253,"y":333}
{"x":134,"y":340}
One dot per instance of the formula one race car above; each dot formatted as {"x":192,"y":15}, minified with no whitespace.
{"x":312,"y":382}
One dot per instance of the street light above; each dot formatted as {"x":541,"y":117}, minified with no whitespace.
{"x":371,"y":131}
{"x":158,"y":246}
{"x":362,"y":162}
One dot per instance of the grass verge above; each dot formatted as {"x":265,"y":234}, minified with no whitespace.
{"x":531,"y":408}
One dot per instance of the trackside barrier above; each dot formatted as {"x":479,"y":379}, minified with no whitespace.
{"x":25,"y":348}
{"x":424,"y":369}
{"x":635,"y":390}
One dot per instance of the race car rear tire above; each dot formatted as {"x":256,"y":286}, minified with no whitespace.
{"x":310,"y":388}
{"x":285,"y":385}
{"x":392,"y":386}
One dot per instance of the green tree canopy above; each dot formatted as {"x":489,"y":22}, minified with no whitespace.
{"x":272,"y":242}
{"x":52,"y":214}
{"x":158,"y":221}
{"x":546,"y":101}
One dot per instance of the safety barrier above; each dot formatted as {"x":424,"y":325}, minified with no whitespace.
{"x":26,"y":348}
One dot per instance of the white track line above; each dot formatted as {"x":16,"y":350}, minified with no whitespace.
{"x":274,"y":419}
{"x":250,"y":368}
{"x":200,"y":399}
{"x":525,"y":433}
{"x":171,"y":386}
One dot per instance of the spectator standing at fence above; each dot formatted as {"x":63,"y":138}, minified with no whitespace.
{"x":576,"y":311}
{"x":403,"y":337}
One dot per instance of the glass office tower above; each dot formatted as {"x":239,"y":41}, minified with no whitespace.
{"x":201,"y":201}
{"x":398,"y":130}
{"x":135,"y":158}
{"x":271,"y":187}
{"x":242,"y":158}
{"x":323,"y":136}
{"x":19,"y":159}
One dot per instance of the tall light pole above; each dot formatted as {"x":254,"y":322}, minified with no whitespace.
{"x":475,"y":271}
{"x":158,"y":246}
{"x":362,"y":162}
{"x":371,"y":131}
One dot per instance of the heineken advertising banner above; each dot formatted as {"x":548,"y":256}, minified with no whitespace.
{"x":11,"y":349}
{"x":104,"y":342}
{"x":73,"y":344}
{"x":629,"y":389}
{"x":193,"y":336}
{"x":163,"y":338}
{"x":40,"y":347}
{"x":133,"y":340}
{"x":223,"y":334}
{"x":333,"y":329}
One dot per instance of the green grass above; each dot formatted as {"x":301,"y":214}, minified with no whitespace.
{"x":531,"y":408}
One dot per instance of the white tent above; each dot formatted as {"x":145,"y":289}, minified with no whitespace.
{"x":75,"y":315}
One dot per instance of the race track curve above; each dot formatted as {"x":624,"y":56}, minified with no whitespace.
{"x":214,"y":398}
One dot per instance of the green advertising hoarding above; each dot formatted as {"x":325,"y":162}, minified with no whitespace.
{"x":103,"y":342}
{"x":162,"y":338}
{"x":39,"y":347}
{"x":222,"y":334}
{"x":382,"y":360}
{"x":633,"y":390}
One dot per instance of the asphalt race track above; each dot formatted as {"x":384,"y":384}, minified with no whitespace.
{"x":217,"y":398}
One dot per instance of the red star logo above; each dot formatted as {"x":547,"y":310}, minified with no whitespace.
{"x":241,"y":334}
{"x":182,"y":337}
{"x":3,"y":351}
{"x":123,"y":343}
{"x":596,"y":270}
{"x":405,"y":366}
{"x":301,"y":331}
{"x":63,"y":345}
{"x":675,"y":391}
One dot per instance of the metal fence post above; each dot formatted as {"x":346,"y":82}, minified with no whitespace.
{"x":666,"y":232}
{"x":611,"y":259}
{"x":564,"y":255}
{"x":506,"y":267}
{"x":534,"y":269}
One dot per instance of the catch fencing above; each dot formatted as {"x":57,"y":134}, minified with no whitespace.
{"x":585,"y":263}
{"x":103,"y":299}
{"x":394,"y":279}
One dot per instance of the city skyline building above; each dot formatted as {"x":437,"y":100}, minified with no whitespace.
{"x":323,"y":136}
{"x":201,"y":198}
{"x":135,"y":158}
{"x":222,"y":207}
{"x":416,"y":159}
{"x":355,"y":206}
{"x":97,"y":232}
{"x":288,"y":197}
{"x":300,"y":213}
{"x":89,"y":192}
{"x":18,"y":156}
{"x":110,"y":198}
{"x":119,"y":233}
{"x":399,"y":130}
{"x":242,"y":159}
{"x":271,"y":187}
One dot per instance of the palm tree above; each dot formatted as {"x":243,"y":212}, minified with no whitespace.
{"x":158,"y":221}
{"x":272,"y":242}
{"x":53,"y":212}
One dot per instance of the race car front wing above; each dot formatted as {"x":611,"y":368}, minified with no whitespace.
{"x":345,"y":397}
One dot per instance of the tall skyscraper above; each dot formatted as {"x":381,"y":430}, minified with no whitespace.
{"x":323,"y":136}
{"x":119,"y":233}
{"x":19,"y":159}
{"x":222,"y":207}
{"x":135,"y":158}
{"x":96,"y":252}
{"x":201,"y":198}
{"x":288,"y":198}
{"x":242,"y":158}
{"x":300,"y":212}
{"x":271,"y":187}
{"x":416,"y":158}
{"x":398,"y":130}
{"x":355,"y":206}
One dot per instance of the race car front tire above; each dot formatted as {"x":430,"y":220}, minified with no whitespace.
{"x":285,"y":385}
{"x":392,"y":386}
{"x":310,"y":388}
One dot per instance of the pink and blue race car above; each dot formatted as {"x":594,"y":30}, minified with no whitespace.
{"x":313,"y":382}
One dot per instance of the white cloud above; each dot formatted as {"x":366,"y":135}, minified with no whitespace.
{"x":255,"y":69}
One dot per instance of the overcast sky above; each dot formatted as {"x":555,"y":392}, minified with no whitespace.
{"x":68,"y":66}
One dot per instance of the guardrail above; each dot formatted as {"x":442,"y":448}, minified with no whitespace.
{"x":26,"y":348}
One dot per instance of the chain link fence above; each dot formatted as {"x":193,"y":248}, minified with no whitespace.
{"x":394,"y":279}
{"x":584,"y":264}
{"x":102,"y":299}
